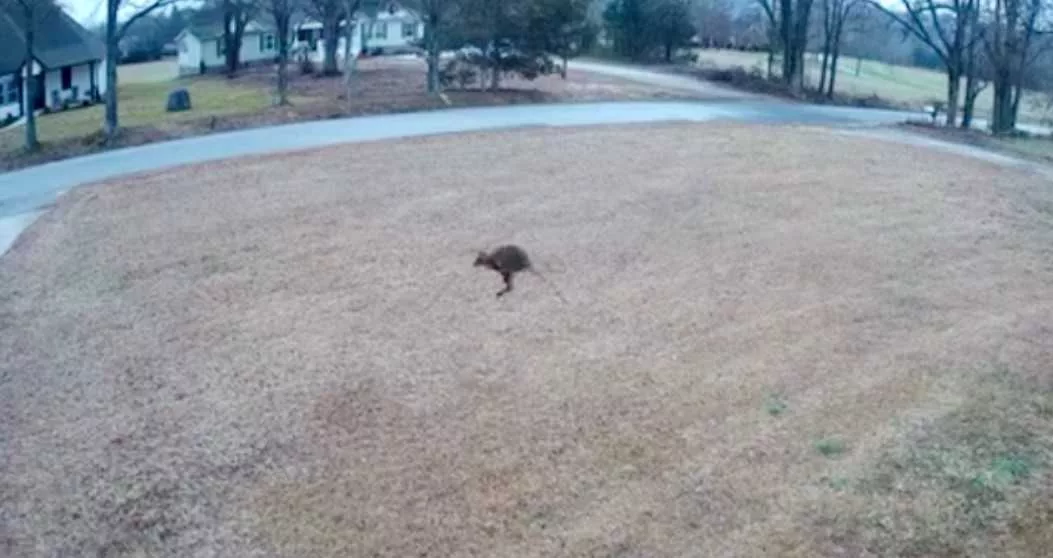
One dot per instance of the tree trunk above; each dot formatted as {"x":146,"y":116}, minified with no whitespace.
{"x":1001,"y":110}
{"x":786,"y":36}
{"x":668,"y":50}
{"x":970,"y":90}
{"x":954,"y":82}
{"x":1018,"y":91}
{"x":495,"y":61}
{"x":349,"y":59}
{"x":229,"y":49}
{"x":330,"y":40}
{"x":30,"y":89}
{"x":111,"y":124}
{"x":828,"y":29}
{"x":432,"y":42}
{"x":771,"y":59}
{"x":833,"y":70}
{"x":823,"y":65}
{"x":859,"y":66}
{"x":282,"y":29}
{"x":234,"y":50}
{"x":563,"y":68}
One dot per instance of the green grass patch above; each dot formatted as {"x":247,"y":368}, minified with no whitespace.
{"x":775,"y":405}
{"x":830,"y":447}
{"x":945,"y":487}
{"x":143,"y":104}
{"x":900,"y":84}
{"x":148,"y":72}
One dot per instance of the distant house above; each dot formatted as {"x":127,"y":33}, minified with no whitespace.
{"x":67,"y":67}
{"x":392,"y":28}
{"x":202,"y":49}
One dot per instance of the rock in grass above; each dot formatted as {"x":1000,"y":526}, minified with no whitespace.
{"x":178,"y":100}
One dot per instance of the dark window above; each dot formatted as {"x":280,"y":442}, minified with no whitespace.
{"x":67,"y":77}
{"x":409,"y":29}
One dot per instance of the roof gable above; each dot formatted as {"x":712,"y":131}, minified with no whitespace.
{"x":57,"y":40}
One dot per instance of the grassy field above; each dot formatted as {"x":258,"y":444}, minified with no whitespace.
{"x":143,"y":103}
{"x":148,"y":72}
{"x":291,"y":355}
{"x":381,"y":86}
{"x":903,"y":84}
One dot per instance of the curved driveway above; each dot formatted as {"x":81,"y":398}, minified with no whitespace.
{"x":24,"y":192}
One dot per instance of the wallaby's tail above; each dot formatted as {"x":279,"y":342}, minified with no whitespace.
{"x":550,"y":284}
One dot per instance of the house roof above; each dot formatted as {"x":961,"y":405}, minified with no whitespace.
{"x":57,"y":40}
{"x":206,"y":28}
{"x":12,"y":49}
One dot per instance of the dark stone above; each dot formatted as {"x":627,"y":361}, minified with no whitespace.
{"x":178,"y":100}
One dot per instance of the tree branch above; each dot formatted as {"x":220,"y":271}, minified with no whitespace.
{"x":139,"y":14}
{"x":917,"y":28}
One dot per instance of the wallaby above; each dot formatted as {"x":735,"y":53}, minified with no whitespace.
{"x":508,"y":260}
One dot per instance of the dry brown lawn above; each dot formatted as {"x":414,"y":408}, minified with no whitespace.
{"x":779,"y":342}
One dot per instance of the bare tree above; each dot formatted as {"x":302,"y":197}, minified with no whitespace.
{"x":771,"y":15}
{"x":488,"y":23}
{"x":114,"y":33}
{"x":713,"y":18}
{"x":976,"y":63}
{"x":281,"y":12}
{"x":835,"y":14}
{"x":789,"y":21}
{"x":236,"y":15}
{"x":945,"y":28}
{"x":32,"y":13}
{"x":437,"y":15}
{"x":350,"y":58}
{"x":1010,"y":40}
{"x":329,"y":12}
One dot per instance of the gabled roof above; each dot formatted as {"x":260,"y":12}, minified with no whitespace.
{"x":205,"y":28}
{"x":57,"y":40}
{"x":12,"y":49}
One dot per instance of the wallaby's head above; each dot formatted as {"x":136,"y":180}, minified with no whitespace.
{"x":483,"y":259}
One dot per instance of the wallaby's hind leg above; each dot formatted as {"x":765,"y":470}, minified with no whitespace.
{"x":508,"y":284}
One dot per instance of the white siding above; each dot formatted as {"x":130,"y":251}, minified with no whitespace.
{"x":7,"y":108}
{"x":101,"y":83}
{"x":356,"y":46}
{"x":193,"y":51}
{"x":7,"y":84}
{"x":392,"y":24}
{"x":366,"y":30}
{"x":258,"y":48}
{"x":10,"y":109}
{"x":189,"y":54}
{"x":79,"y":89}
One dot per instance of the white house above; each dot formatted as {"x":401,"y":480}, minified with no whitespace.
{"x":392,"y":29}
{"x":201,"y":47}
{"x":67,"y":68}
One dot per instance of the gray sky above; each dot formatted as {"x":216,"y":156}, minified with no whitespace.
{"x":85,"y":11}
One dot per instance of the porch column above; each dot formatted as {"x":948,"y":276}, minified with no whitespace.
{"x":94,"y":91}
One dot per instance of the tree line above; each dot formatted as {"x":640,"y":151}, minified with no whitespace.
{"x":1000,"y":44}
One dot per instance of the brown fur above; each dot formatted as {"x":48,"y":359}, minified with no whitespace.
{"x":507,"y":260}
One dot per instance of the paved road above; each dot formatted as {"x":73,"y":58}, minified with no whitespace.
{"x":25,"y":191}
{"x":670,"y":81}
